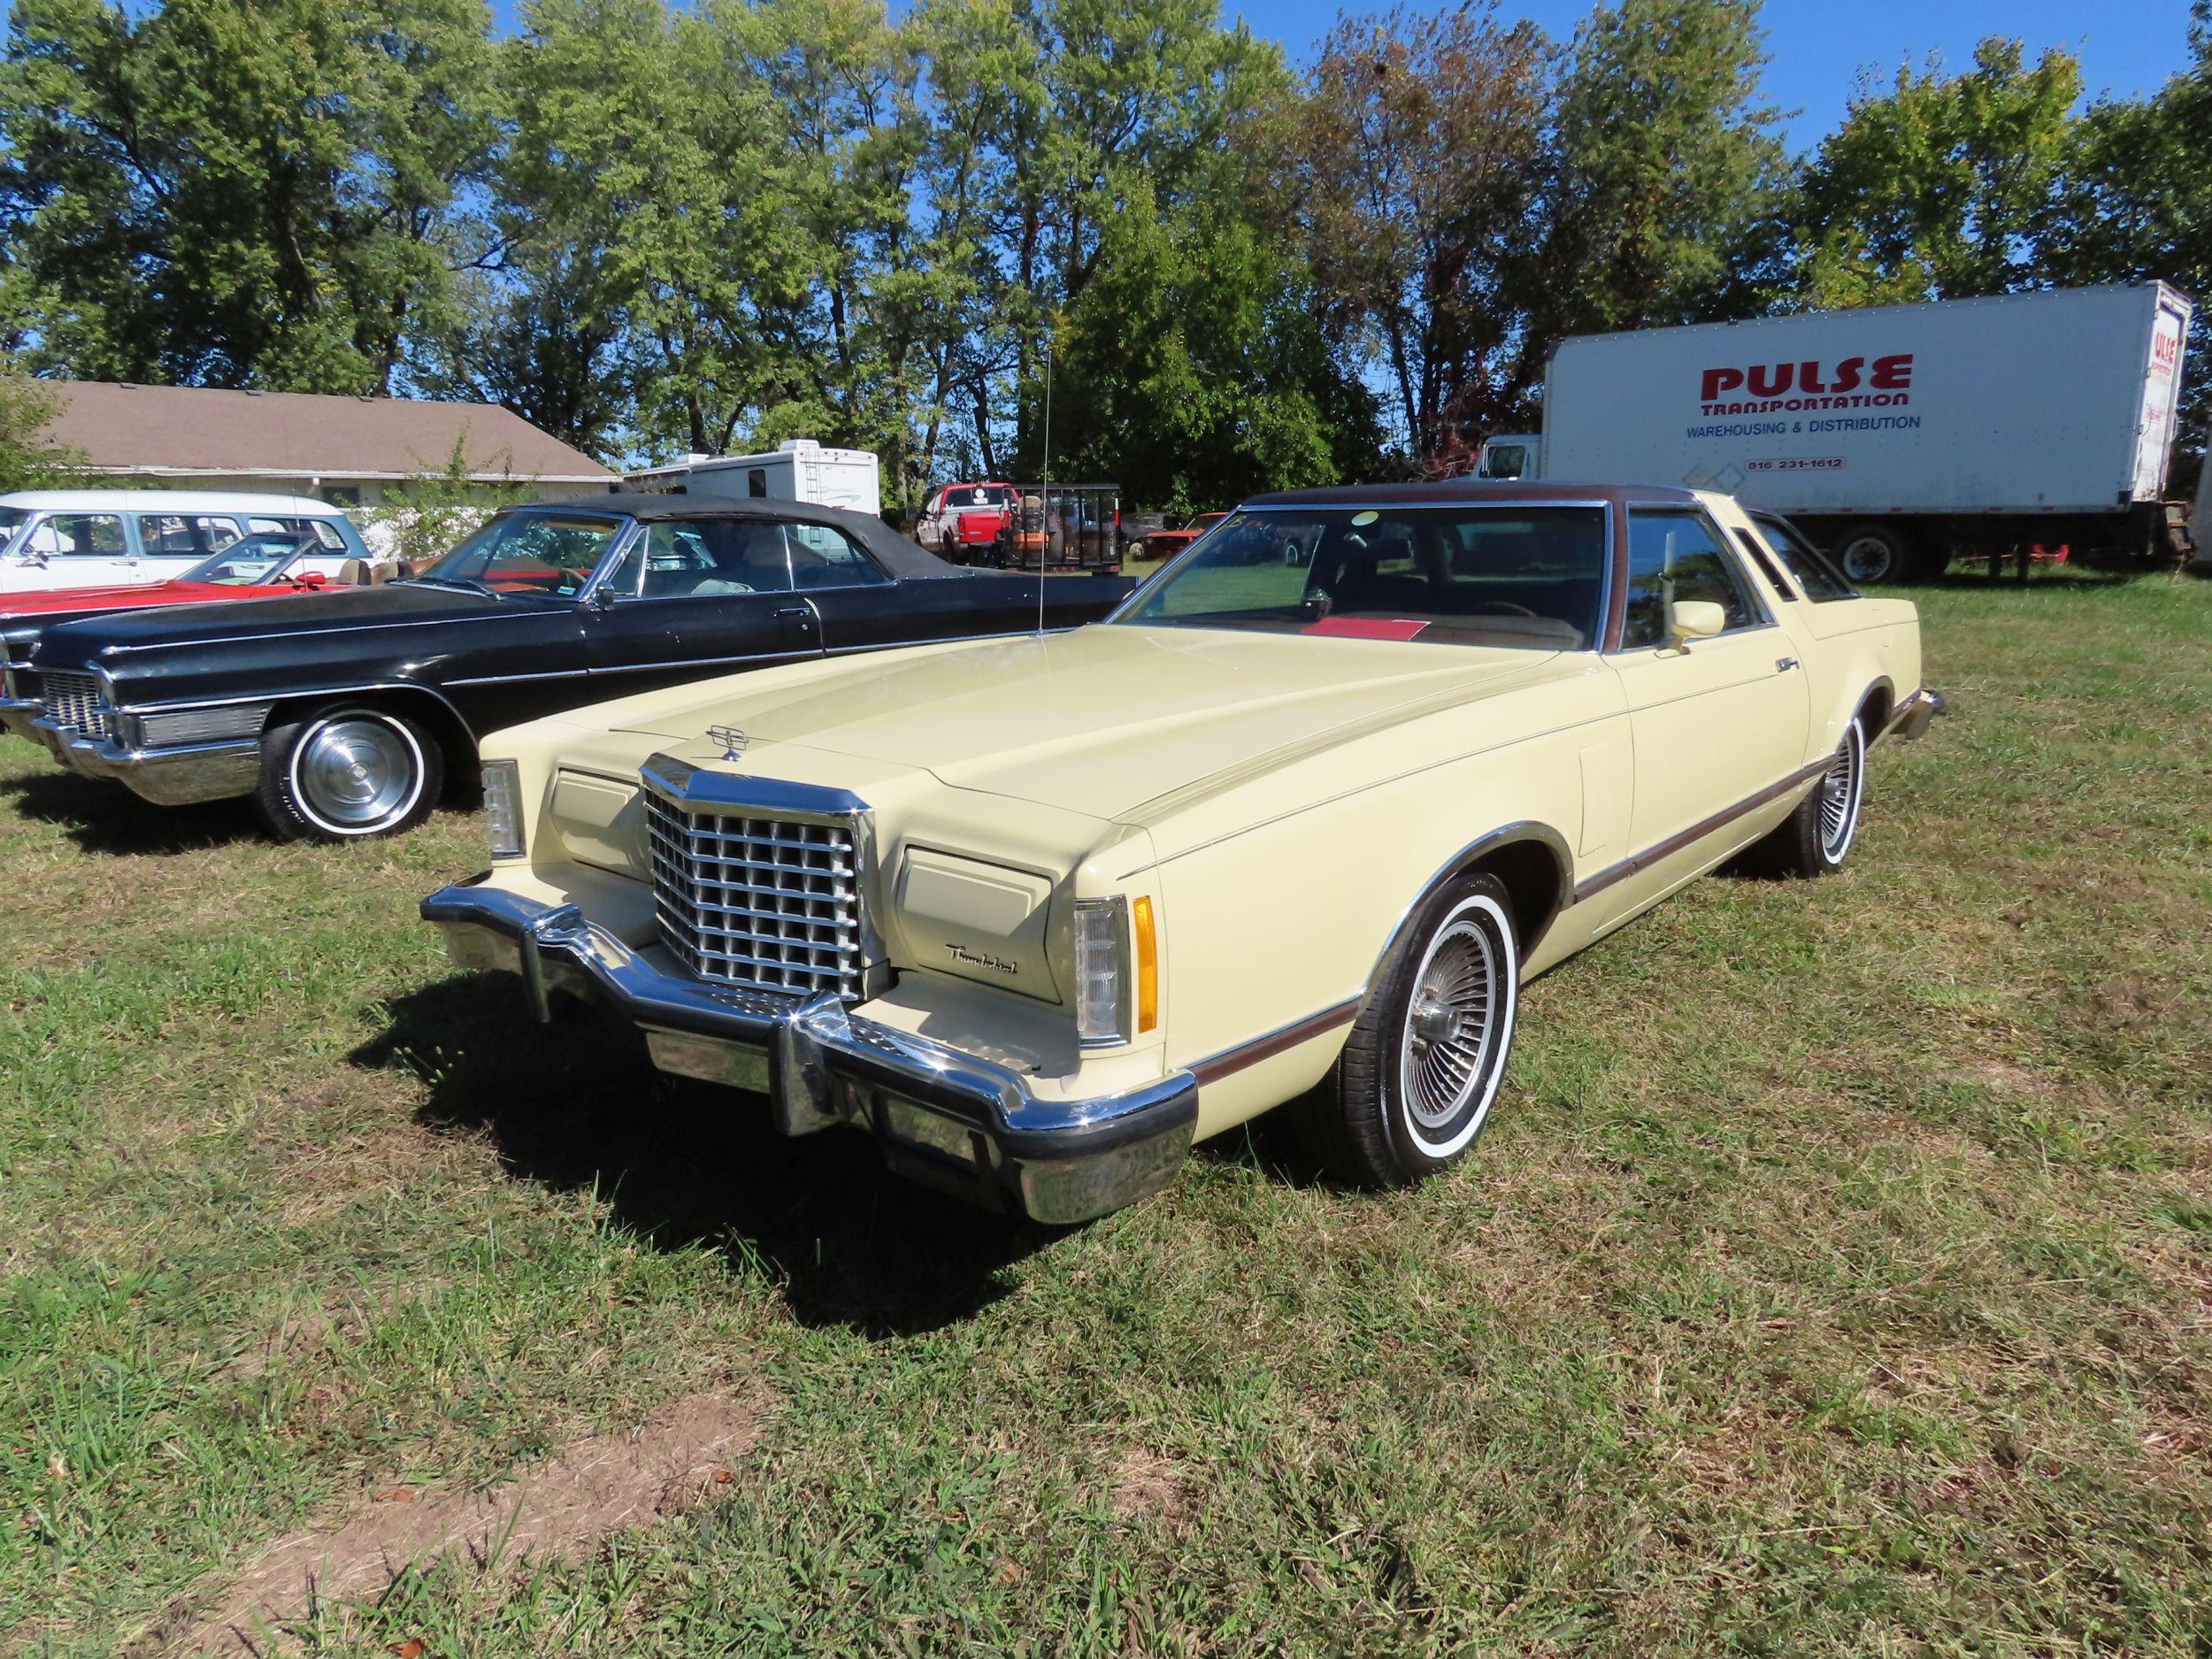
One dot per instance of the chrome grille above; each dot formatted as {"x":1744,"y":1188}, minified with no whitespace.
{"x":771,"y":903}
{"x":72,"y":702}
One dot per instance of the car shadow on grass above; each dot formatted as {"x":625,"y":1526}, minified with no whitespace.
{"x":103,"y":817}
{"x":578,"y":1106}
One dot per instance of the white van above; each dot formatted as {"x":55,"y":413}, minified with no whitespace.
{"x":125,"y":538}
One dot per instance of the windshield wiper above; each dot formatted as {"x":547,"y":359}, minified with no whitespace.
{"x":460,"y":584}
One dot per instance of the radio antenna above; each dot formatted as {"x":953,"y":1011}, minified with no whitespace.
{"x":1044,"y":526}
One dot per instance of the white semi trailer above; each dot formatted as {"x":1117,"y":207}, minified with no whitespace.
{"x":1898,"y":435}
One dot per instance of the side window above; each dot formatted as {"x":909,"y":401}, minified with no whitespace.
{"x":185,"y":537}
{"x":80,"y":535}
{"x":1756,"y":550}
{"x":824,"y":557}
{"x":712,"y":558}
{"x":326,"y":534}
{"x":1821,"y":580}
{"x":1677,"y":556}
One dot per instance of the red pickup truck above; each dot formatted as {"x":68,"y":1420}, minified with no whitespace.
{"x":965,"y":518}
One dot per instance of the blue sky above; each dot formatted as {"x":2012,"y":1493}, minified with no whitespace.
{"x":1818,"y":48}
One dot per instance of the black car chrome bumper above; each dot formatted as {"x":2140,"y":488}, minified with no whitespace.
{"x":178,"y":775}
{"x":16,"y":715}
{"x":939,"y":1115}
{"x":1914,"y":713}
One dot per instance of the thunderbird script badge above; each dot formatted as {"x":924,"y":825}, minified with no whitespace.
{"x":731,"y":738}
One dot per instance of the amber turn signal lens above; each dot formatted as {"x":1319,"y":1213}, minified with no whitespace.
{"x":1147,"y":967}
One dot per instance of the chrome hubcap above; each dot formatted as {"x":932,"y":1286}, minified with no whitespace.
{"x":1451,"y":1025}
{"x":356,"y":774}
{"x":1841,"y":787}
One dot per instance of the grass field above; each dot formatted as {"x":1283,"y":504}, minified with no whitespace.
{"x":1836,"y":1276}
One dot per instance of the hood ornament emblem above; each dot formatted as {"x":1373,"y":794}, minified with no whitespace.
{"x":732,"y":738}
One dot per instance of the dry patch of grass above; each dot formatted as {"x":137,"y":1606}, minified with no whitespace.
{"x":553,"y":1512}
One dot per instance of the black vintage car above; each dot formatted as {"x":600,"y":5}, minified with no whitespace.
{"x":344,"y":714}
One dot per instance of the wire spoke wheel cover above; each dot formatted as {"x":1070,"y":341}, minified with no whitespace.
{"x":1842,"y":793}
{"x":1458,"y":1023}
{"x":356,"y":774}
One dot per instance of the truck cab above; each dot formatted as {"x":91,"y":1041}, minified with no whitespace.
{"x":1510,"y":455}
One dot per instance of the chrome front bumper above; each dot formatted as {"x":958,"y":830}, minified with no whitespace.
{"x":1913,"y":715}
{"x":180,"y":776}
{"x":939,"y":1115}
{"x":16,"y":715}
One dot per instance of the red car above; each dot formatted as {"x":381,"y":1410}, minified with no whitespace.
{"x":1166,"y":543}
{"x":269,"y":565}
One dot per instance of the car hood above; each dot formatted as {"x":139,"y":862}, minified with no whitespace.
{"x":235,"y":618}
{"x":1098,"y":721}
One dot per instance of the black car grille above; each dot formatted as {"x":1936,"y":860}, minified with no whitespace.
{"x":769,"y":903}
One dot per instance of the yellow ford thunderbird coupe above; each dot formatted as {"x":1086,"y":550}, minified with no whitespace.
{"x":1293,"y":827}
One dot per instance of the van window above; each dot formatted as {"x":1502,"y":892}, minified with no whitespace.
{"x":185,"y":536}
{"x":79,"y":536}
{"x":326,"y":534}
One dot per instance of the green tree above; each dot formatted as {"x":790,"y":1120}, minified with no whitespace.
{"x":30,"y":459}
{"x":239,"y":192}
{"x":1940,"y":187}
{"x":1420,"y":156}
{"x":1666,"y":175}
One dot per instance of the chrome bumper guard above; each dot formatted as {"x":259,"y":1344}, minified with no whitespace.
{"x":180,"y":776}
{"x":16,"y":715}
{"x":939,"y":1115}
{"x":1913,"y":715}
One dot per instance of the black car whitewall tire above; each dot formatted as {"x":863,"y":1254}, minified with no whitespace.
{"x":348,"y":773}
{"x":1424,"y":1059}
{"x":1818,"y":836}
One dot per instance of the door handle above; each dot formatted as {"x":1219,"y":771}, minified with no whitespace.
{"x":795,"y":611}
{"x":803,"y":615}
{"x":1783,"y":665}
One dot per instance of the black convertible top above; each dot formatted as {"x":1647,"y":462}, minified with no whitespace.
{"x":907,"y":560}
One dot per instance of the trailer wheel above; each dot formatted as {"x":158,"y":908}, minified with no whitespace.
{"x":1871,"y":554}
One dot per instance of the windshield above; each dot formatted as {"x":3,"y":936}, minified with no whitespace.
{"x":1512,"y":576}
{"x":12,"y":519}
{"x":251,"y":561}
{"x":529,"y":552}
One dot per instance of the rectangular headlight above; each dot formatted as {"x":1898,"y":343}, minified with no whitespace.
{"x":1102,"y":971}
{"x":502,"y":808}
